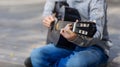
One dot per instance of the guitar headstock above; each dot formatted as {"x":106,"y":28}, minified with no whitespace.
{"x":87,"y":28}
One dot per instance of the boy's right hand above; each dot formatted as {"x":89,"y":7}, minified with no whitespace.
{"x":48,"y":20}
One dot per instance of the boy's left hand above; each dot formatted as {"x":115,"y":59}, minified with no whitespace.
{"x":67,"y":32}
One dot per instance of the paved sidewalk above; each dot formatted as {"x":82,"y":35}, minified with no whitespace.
{"x":19,"y":2}
{"x":20,"y":30}
{"x":9,"y":64}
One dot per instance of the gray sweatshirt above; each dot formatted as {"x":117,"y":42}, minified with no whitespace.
{"x":90,"y":10}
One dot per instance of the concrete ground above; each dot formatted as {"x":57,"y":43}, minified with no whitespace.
{"x":21,"y":30}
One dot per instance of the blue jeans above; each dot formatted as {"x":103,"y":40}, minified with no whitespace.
{"x":52,"y":56}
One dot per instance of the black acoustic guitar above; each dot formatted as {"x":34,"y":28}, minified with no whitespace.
{"x":66,"y":15}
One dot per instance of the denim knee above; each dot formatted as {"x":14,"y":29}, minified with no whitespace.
{"x":39,"y":58}
{"x":87,"y":58}
{"x":38,"y":53}
{"x":35,"y":53}
{"x":76,"y":61}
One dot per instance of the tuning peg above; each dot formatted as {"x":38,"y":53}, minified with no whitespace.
{"x":86,"y":33}
{"x":88,"y":25}
{"x":80,"y":31}
{"x":94,"y":21}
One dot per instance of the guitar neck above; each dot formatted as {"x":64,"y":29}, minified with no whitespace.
{"x":81,"y":28}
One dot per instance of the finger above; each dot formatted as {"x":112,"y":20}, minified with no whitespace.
{"x":69,"y":32}
{"x":48,"y":19}
{"x":46,"y":23}
{"x":69,"y":24}
{"x":62,"y":31}
{"x":51,"y":18}
{"x":68,"y":27}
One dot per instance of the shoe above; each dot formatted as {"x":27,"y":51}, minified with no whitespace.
{"x":27,"y":62}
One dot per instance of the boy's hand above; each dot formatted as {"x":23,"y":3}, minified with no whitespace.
{"x":67,"y":33}
{"x":48,"y":20}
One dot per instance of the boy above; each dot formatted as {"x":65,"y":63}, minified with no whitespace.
{"x":85,"y":52}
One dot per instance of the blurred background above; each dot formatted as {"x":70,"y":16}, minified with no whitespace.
{"x":21,"y":30}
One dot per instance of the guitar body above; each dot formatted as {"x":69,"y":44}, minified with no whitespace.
{"x":58,"y":40}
